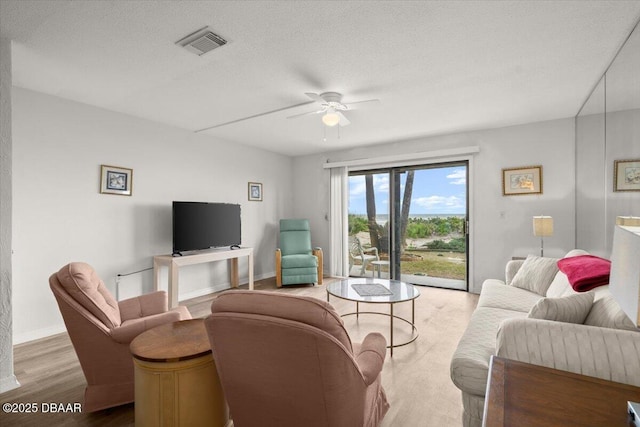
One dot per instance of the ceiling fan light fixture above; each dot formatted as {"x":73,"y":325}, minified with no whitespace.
{"x":331,"y":118}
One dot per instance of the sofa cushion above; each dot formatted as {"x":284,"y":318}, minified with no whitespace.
{"x":296,"y":276}
{"x":536,"y":274}
{"x":560,"y":286}
{"x":606,"y":313}
{"x":569,"y":309}
{"x":295,"y":237}
{"x":498,"y":295}
{"x":81,"y":281}
{"x":299,"y":261}
{"x":576,"y":252}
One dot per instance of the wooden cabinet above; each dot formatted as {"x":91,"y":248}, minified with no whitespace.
{"x":176,"y":381}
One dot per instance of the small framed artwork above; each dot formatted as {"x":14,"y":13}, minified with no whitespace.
{"x":520,"y":181}
{"x":626,"y":175}
{"x":255,"y":191}
{"x":116,"y":180}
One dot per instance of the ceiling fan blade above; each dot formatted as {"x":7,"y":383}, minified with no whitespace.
{"x":308,"y":113}
{"x":277,"y":110}
{"x":343,"y":119}
{"x":349,"y":104}
{"x":315,"y":97}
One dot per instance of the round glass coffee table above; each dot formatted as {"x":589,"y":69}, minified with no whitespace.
{"x":378,"y":291}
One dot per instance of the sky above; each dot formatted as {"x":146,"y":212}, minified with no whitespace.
{"x":435,"y":191}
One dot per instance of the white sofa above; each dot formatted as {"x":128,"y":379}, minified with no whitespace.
{"x":606,"y":346}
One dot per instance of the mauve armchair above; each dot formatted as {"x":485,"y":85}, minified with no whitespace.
{"x":287,"y":361}
{"x":296,"y":261}
{"x":101,"y":329}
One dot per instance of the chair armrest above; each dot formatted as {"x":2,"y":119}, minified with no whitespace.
{"x":610,"y":354}
{"x":317,"y":252}
{"x":370,"y":356}
{"x":143,"y":305}
{"x":511,"y":269}
{"x":372,"y":249}
{"x":130,"y":329}
{"x":278,"y":267}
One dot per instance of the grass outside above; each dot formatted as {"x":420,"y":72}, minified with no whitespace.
{"x":447,"y":265}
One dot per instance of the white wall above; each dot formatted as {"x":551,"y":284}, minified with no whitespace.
{"x":603,"y":139}
{"x":501,"y":226}
{"x":8,"y":380}
{"x":608,"y":129}
{"x":622,"y":143}
{"x":60,"y":216}
{"x":591,"y":179}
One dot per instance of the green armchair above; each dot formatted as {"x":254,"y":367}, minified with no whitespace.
{"x":296,"y":261}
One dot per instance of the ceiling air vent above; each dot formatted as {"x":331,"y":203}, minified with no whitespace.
{"x":202,"y":41}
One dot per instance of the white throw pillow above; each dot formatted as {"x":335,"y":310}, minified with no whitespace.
{"x":536,"y":274}
{"x":570,"y":309}
{"x":560,"y":286}
{"x":606,"y":313}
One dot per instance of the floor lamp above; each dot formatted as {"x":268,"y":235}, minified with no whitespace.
{"x":542,"y":227}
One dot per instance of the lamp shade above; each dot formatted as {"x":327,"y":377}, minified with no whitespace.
{"x":331,"y":119}
{"x":542,"y":226}
{"x":628,"y":220}
{"x":624,"y":282}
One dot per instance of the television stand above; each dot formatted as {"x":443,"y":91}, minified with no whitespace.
{"x":174,"y":263}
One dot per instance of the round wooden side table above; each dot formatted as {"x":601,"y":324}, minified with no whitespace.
{"x":176,"y":381}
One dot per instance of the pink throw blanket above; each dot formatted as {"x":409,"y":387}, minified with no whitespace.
{"x":585,"y":272}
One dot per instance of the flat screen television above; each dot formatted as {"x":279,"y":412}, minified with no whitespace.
{"x":199,"y":225}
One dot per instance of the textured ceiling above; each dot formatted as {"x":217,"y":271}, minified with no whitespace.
{"x":437,"y":67}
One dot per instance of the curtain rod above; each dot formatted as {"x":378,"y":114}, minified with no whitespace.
{"x":423,"y":155}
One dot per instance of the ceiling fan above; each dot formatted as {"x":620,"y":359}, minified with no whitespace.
{"x":331,"y":104}
{"x":332,"y":108}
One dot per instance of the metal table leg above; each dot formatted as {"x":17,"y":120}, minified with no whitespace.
{"x":391,"y":332}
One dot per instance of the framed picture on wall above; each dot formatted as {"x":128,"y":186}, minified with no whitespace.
{"x":626,"y":175}
{"x":116,"y":180}
{"x":522,"y":180}
{"x":255,"y":191}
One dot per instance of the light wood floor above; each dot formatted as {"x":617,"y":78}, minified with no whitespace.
{"x":416,"y":379}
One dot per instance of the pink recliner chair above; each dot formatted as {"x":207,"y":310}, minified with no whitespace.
{"x":287,"y":361}
{"x":101,"y":329}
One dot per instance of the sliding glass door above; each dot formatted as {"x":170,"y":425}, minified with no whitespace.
{"x":369,"y":222}
{"x":410,"y":224}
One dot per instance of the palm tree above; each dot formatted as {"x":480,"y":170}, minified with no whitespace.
{"x":406,"y":205}
{"x":371,"y":211}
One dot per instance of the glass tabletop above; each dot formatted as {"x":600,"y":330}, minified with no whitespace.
{"x":395,"y":290}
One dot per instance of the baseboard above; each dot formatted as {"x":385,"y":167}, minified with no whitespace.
{"x":220,"y":287}
{"x":39,"y":333}
{"x":265,"y":276}
{"x":203,"y":291}
{"x":8,"y":383}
